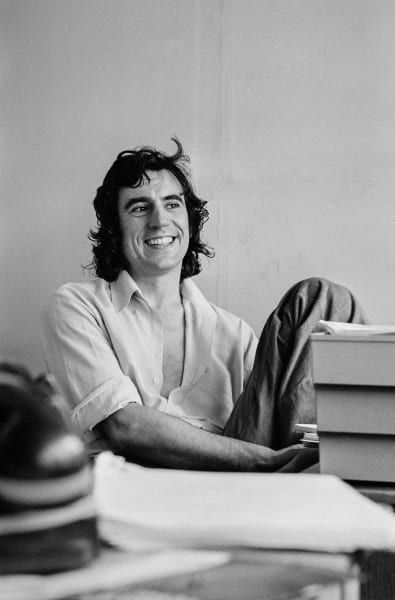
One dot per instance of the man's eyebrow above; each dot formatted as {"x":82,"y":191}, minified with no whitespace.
{"x":135,"y":200}
{"x":179,"y":196}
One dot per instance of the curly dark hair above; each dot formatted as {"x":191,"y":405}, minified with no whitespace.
{"x":129,"y":170}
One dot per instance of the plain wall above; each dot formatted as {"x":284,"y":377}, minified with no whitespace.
{"x":286,"y":107}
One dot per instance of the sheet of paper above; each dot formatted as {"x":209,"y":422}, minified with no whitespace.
{"x":353,"y":328}
{"x":111,"y":571}
{"x":141,"y":507}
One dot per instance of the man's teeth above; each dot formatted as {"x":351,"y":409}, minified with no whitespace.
{"x":163,"y":241}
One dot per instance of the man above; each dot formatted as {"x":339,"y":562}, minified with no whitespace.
{"x":155,"y":372}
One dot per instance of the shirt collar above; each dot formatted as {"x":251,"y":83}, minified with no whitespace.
{"x":191,"y":292}
{"x":122,"y":290}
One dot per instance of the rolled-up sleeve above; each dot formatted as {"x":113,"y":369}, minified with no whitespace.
{"x":78,"y":352}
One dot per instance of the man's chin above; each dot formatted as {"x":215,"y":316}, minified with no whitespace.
{"x":161,"y":268}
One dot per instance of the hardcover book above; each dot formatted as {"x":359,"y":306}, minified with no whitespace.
{"x":354,"y":359}
{"x":357,"y":457}
{"x":356,"y":409}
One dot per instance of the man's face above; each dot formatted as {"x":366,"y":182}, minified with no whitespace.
{"x":154,"y":225}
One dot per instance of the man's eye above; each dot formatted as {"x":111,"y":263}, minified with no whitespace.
{"x":173,"y":205}
{"x":138,"y":209}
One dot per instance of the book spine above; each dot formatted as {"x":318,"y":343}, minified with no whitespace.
{"x":356,"y":409}
{"x":358,"y":457}
{"x":353,"y":362}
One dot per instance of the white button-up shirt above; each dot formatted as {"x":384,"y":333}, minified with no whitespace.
{"x":104,"y":344}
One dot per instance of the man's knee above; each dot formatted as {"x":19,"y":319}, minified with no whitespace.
{"x":313,"y":285}
{"x":307,"y":291}
{"x":315,"y":295}
{"x":331,"y":301}
{"x":313,"y":288}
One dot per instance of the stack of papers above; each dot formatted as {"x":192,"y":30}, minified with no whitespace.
{"x":338,"y":327}
{"x":163,"y":508}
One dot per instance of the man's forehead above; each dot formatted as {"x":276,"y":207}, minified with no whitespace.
{"x":156,"y":178}
{"x":160,"y":179}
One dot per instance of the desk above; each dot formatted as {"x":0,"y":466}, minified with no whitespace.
{"x":378,"y":582}
{"x":319,"y":517}
{"x":316,"y":514}
{"x":378,"y":492}
{"x":182,"y":575}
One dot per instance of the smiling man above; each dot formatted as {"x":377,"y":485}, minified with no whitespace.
{"x":154,"y":226}
{"x":154,"y":371}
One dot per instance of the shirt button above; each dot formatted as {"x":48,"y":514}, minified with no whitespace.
{"x":155,"y":380}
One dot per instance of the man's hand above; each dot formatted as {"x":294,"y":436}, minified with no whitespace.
{"x":146,"y":435}
{"x":306,"y":458}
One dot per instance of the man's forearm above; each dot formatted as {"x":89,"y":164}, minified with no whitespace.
{"x":145,"y":434}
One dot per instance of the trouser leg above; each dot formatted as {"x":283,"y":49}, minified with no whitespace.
{"x":280,"y":392}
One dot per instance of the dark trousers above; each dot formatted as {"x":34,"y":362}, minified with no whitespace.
{"x":280,"y":392}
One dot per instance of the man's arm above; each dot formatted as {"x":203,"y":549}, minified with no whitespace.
{"x":144,"y":434}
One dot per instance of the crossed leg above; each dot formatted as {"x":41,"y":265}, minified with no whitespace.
{"x":280,"y":392}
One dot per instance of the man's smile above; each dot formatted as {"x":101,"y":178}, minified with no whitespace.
{"x":155,"y":226}
{"x":160,"y":241}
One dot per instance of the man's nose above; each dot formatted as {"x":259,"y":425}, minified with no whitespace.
{"x":158,"y":218}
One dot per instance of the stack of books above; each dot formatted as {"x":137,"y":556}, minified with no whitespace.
{"x":354,"y":377}
{"x":310,"y":437}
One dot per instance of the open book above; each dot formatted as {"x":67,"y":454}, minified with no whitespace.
{"x":164,"y":508}
{"x":353,"y":328}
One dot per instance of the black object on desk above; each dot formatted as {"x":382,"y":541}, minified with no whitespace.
{"x":47,"y":514}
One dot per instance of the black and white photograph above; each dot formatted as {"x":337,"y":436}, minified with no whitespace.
{"x":197,"y":317}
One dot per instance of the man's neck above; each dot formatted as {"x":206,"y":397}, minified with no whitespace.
{"x":161,"y":291}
